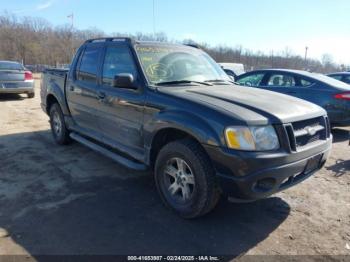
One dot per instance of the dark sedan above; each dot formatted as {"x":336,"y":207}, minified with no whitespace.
{"x":331,"y":94}
{"x":341,"y":76}
{"x":14,"y":78}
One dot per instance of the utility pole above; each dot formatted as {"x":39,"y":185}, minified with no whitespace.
{"x":305,"y":60}
{"x":154,"y":19}
{"x":71,"y":16}
{"x":272,"y":58}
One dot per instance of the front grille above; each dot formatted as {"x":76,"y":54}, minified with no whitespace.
{"x":306,"y":132}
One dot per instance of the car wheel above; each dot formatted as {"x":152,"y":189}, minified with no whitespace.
{"x":31,"y":95}
{"x":185,"y":179}
{"x":59,"y":130}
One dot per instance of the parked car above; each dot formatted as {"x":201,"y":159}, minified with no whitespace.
{"x":331,"y":94}
{"x":341,"y":76}
{"x":233,"y":69}
{"x":171,"y":108}
{"x":14,"y":78}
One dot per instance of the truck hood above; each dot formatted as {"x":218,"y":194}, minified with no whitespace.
{"x":251,"y":105}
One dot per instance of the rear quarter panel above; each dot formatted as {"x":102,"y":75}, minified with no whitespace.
{"x":53,"y":84}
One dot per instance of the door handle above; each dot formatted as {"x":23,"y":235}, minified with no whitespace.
{"x":75,"y":90}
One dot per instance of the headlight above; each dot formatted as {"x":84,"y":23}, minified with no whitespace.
{"x":253,"y":138}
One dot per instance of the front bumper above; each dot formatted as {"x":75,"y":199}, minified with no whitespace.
{"x":248,"y":176}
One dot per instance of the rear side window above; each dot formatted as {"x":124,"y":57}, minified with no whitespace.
{"x":305,"y":83}
{"x":89,"y":64}
{"x":251,"y":80}
{"x":281,"y":80}
{"x":11,"y":66}
{"x":118,"y":60}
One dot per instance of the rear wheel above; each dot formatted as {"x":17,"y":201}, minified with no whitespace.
{"x":59,"y":130}
{"x":185,"y":179}
{"x":31,"y":95}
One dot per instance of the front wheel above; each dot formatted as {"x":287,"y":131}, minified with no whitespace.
{"x":31,"y":95}
{"x":185,"y":179}
{"x":59,"y":130}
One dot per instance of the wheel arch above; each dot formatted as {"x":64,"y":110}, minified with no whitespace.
{"x":55,"y":93}
{"x":50,"y":100}
{"x":176,"y":126}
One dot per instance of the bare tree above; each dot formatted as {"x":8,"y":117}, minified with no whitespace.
{"x":35,"y":41}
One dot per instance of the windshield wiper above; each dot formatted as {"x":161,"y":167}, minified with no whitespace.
{"x":179,"y":82}
{"x":219,"y":81}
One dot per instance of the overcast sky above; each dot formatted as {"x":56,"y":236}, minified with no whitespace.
{"x":323,"y":26}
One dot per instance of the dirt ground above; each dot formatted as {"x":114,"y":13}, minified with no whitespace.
{"x":70,"y":200}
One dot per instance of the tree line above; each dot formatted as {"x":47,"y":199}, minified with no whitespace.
{"x":34,"y":41}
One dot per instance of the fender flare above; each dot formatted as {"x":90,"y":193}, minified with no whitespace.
{"x":53,"y":89}
{"x":185,"y":122}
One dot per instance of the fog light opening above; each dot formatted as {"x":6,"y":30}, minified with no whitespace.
{"x":287,"y":181}
{"x":265,"y":184}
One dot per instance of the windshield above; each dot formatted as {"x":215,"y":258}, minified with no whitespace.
{"x":330,"y":81}
{"x":10,"y":66}
{"x":166,"y":63}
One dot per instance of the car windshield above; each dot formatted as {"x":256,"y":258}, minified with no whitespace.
{"x":10,"y":66}
{"x":167,"y":63}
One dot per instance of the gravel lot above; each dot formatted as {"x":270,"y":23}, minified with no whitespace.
{"x":70,"y":200}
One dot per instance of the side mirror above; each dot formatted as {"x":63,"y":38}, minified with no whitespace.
{"x":124,"y":80}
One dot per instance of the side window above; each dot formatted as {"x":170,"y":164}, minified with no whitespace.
{"x":89,"y":64}
{"x":281,"y":80}
{"x":251,"y":80}
{"x":118,"y":59}
{"x":346,"y":79}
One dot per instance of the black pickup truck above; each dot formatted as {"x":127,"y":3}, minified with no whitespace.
{"x":171,"y":108}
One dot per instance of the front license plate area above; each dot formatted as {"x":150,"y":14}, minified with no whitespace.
{"x":313,"y":164}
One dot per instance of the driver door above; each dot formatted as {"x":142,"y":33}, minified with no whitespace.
{"x":120,"y":110}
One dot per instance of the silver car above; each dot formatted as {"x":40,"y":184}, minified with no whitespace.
{"x":15,"y":79}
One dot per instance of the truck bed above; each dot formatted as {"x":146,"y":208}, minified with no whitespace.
{"x":56,"y":75}
{"x":56,"y":72}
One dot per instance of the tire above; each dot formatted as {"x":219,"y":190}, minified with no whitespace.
{"x":59,"y":130}
{"x":31,"y":95}
{"x":185,"y":179}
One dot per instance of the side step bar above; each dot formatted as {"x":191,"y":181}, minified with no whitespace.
{"x":104,"y":151}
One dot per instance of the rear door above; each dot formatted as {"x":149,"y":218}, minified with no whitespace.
{"x":82,"y":90}
{"x":298,"y":86}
